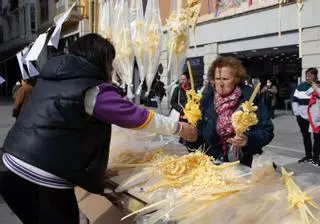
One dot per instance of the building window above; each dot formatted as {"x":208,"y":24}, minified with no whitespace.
{"x":44,"y":10}
{"x":16,"y":26}
{"x":14,"y":4}
{"x":33,"y":18}
{"x":1,"y":35}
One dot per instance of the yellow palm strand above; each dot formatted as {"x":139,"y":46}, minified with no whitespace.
{"x":298,"y":199}
{"x":192,"y":108}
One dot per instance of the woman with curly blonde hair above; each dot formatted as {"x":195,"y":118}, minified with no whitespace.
{"x":220,"y":100}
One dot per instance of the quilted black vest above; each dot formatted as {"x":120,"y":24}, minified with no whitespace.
{"x":54,"y":132}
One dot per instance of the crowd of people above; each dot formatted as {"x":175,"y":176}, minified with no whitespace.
{"x":63,"y":124}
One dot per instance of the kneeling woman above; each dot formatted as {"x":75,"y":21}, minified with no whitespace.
{"x":220,"y":100}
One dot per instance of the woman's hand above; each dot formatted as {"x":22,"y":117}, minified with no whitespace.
{"x":264,"y":89}
{"x":188,"y":132}
{"x":314,"y":85}
{"x":239,"y":141}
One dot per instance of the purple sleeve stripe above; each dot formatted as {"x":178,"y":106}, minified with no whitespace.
{"x":111,"y":108}
{"x":147,"y":121}
{"x":36,"y":177}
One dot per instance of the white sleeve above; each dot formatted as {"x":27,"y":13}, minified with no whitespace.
{"x":295,"y":108}
{"x":162,"y":125}
{"x":90,"y":99}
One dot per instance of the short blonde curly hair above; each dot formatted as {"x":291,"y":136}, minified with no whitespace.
{"x":238,"y":71}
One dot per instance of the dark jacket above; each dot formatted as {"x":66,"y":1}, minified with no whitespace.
{"x":159,"y":89}
{"x":54,"y":132}
{"x":178,"y":99}
{"x":258,"y":135}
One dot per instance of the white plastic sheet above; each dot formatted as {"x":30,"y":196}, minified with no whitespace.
{"x":178,"y":37}
{"x":121,"y":37}
{"x":153,"y":38}
{"x":106,"y":14}
{"x":137,"y":24}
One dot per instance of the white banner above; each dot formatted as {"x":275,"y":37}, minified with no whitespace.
{"x":32,"y":71}
{"x":24,"y":74}
{"x":37,"y":47}
{"x":54,"y":39}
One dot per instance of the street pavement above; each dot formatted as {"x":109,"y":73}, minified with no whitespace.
{"x":285,"y":149}
{"x":287,"y":146}
{"x":6,"y":121}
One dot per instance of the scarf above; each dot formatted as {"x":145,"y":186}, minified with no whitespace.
{"x":313,"y":100}
{"x":186,"y":87}
{"x":224,"y":107}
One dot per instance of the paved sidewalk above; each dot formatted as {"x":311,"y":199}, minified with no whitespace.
{"x":287,"y":146}
{"x":6,"y":121}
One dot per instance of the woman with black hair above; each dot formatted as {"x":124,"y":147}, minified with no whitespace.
{"x":179,"y":95}
{"x":61,"y":138}
{"x":159,"y":90}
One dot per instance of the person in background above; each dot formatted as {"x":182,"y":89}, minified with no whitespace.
{"x":301,"y":99}
{"x":116,"y":81}
{"x":159,"y":92}
{"x":179,"y":96}
{"x":21,"y":96}
{"x":61,"y":138}
{"x":171,"y":88}
{"x":248,"y":83}
{"x":220,"y":100}
{"x":204,"y":86}
{"x":292,"y":86}
{"x":314,"y":120}
{"x":269,"y":94}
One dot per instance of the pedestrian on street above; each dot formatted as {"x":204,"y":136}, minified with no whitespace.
{"x":179,"y":95}
{"x":61,"y":138}
{"x":302,"y":110}
{"x":205,"y":83}
{"x":216,"y":134}
{"x":159,"y":92}
{"x":15,"y":88}
{"x":269,"y":95}
{"x":21,"y":95}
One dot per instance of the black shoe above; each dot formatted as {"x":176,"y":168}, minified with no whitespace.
{"x":305,"y":160}
{"x":316,"y":163}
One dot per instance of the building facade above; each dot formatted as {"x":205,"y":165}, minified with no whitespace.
{"x":251,"y":33}
{"x":20,"y":23}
